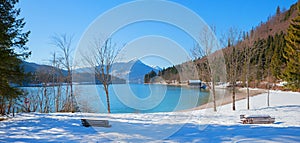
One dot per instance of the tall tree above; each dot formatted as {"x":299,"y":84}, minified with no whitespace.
{"x":209,"y":64}
{"x":12,"y":39}
{"x":149,"y":76}
{"x":63,"y":42}
{"x":248,"y":55}
{"x":292,"y":53}
{"x":101,"y":58}
{"x":278,"y":11}
{"x":233,"y":37}
{"x":268,"y":56}
{"x":278,"y":61}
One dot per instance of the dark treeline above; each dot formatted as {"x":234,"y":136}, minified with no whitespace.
{"x":169,"y":73}
{"x":266,"y":59}
{"x":149,"y":76}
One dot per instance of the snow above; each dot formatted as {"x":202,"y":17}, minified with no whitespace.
{"x":283,"y":83}
{"x":190,"y":126}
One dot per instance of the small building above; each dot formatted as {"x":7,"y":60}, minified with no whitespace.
{"x":195,"y":82}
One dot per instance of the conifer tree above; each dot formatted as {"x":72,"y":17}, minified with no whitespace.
{"x":278,"y":10}
{"x":292,"y":53}
{"x":278,"y":61}
{"x":12,"y":39}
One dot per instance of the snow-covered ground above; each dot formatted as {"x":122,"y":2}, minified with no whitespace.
{"x":191,"y":126}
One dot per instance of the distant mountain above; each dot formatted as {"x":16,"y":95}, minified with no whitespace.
{"x":132,"y":71}
{"x":82,"y":76}
{"x":33,"y":67}
{"x":41,"y":73}
{"x":157,"y":68}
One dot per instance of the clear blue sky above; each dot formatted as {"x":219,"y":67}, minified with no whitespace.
{"x":45,"y":18}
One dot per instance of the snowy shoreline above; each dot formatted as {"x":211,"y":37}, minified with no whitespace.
{"x":190,"y":126}
{"x":227,"y":98}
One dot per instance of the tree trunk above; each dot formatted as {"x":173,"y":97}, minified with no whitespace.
{"x":268,"y":86}
{"x":41,"y":101}
{"x":56,"y":101}
{"x":9,"y":105}
{"x":58,"y":98}
{"x":233,"y":97}
{"x":247,"y":80}
{"x":248,"y":93}
{"x":67,"y":103}
{"x":46,"y":100}
{"x":234,"y":67}
{"x":1,"y":106}
{"x":214,"y":95}
{"x":268,"y":96}
{"x":107,"y":98}
{"x":248,"y":98}
{"x":72,"y":98}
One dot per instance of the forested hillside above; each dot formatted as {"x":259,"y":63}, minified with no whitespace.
{"x":269,"y":53}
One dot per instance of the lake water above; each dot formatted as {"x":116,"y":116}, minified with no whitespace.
{"x":130,"y":98}
{"x":139,"y":98}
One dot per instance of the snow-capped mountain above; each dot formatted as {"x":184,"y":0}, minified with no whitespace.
{"x":157,"y":68}
{"x":133,"y":71}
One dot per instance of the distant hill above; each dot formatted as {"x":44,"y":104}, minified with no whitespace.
{"x":33,"y":68}
{"x":132,"y":71}
{"x":275,"y":24}
{"x":41,"y":73}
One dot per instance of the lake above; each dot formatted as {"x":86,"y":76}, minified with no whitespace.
{"x":127,"y":98}
{"x":139,"y":98}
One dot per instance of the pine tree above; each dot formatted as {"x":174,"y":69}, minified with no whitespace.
{"x":278,"y":10}
{"x":278,"y":61}
{"x":292,"y":53}
{"x":149,"y":76}
{"x":11,"y":39}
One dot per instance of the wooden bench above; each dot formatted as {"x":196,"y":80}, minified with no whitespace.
{"x":257,"y":119}
{"x":95,"y":123}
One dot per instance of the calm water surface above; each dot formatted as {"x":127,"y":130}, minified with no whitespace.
{"x":132,"y":98}
{"x":139,"y":98}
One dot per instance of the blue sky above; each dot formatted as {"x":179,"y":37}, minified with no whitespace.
{"x":45,"y":18}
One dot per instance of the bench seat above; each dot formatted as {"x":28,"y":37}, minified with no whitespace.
{"x":95,"y":123}
{"x":257,"y":119}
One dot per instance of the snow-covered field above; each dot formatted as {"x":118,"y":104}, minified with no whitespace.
{"x":190,"y":126}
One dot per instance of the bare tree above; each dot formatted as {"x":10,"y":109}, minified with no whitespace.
{"x":249,"y":41}
{"x":247,"y":64}
{"x":206,"y":69}
{"x":233,"y":37}
{"x":268,"y":62}
{"x":43,"y":77}
{"x":33,"y":103}
{"x":101,"y":58}
{"x":57,"y":79}
{"x":63,"y":42}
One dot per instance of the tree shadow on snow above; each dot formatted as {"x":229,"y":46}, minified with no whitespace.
{"x":235,"y":133}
